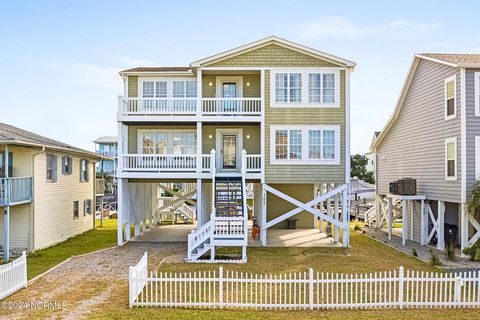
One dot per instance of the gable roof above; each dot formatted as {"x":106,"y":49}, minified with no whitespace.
{"x":272,"y":40}
{"x":435,"y":57}
{"x":156,"y":69}
{"x":106,"y":139}
{"x":13,"y":135}
{"x":465,"y":60}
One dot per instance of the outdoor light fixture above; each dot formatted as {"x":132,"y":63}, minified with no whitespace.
{"x":210,"y":136}
{"x":248,"y":84}
{"x":248,"y":136}
{"x":210,"y":84}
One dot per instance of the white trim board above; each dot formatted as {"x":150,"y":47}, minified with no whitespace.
{"x":449,"y":79}
{"x":305,"y":142}
{"x":447,"y":141}
{"x":219,"y":80}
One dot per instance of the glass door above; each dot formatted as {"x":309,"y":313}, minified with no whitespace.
{"x":229,"y":151}
{"x":229,"y":90}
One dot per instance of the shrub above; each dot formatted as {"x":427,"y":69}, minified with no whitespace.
{"x":434,"y":259}
{"x":414,"y":252}
{"x":357,"y":227}
{"x":473,"y":251}
{"x":450,"y":248}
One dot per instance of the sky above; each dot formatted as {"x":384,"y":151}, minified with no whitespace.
{"x":60,"y":59}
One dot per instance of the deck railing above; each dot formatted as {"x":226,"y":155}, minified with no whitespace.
{"x":19,"y":190}
{"x":100,"y":186}
{"x":191,"y":106}
{"x":254,"y":163}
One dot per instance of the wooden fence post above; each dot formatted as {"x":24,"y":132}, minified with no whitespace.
{"x":24,"y":259}
{"x":457,"y":290}
{"x":310,"y":288}
{"x":400,"y":288}
{"x":220,"y":289}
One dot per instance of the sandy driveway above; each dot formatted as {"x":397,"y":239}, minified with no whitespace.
{"x":84,"y":283}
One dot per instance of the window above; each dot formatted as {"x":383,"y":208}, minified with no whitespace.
{"x":154,"y":89}
{"x":450,"y":93}
{"x":167,"y":142}
{"x":306,"y":87}
{"x":87,"y":207}
{"x":66,"y":166}
{"x":184,"y":89}
{"x":321,"y":87}
{"x":84,"y":170}
{"x":75,"y":209}
{"x":477,"y":93}
{"x":3,"y":165}
{"x":288,"y":87}
{"x":305,"y":144}
{"x":451,"y":159}
{"x":51,"y":168}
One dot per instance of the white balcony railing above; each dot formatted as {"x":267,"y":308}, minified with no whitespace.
{"x":254,"y":163}
{"x":180,"y":163}
{"x":190,"y":106}
{"x":19,"y":190}
{"x":160,"y":106}
{"x":231,"y":106}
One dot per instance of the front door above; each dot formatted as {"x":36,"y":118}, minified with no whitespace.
{"x":229,"y":151}
{"x":229,"y":90}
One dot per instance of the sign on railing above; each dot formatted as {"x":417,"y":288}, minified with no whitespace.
{"x":13,"y":276}
{"x":306,"y":290}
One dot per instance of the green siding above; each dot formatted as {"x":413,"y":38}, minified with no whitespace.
{"x":273,"y":55}
{"x":277,"y":206}
{"x":252,"y":91}
{"x":279,"y":173}
{"x":251,"y":145}
{"x":133,"y":86}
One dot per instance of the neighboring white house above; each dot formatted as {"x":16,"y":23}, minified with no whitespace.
{"x":47,"y":190}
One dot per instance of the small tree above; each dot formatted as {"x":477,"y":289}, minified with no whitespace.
{"x":358,"y":167}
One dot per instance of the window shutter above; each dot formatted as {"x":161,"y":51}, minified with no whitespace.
{"x":54,"y":166}
{"x":87,"y":170}
{"x":80,"y":168}
{"x":70,"y":162}
{"x":64,"y":168}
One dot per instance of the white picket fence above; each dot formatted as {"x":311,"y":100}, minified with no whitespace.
{"x":13,"y":276}
{"x":302,"y":290}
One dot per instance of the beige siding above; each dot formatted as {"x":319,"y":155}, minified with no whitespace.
{"x":133,"y":86}
{"x":277,"y":206}
{"x":19,"y":226}
{"x":415,"y":145}
{"x":273,"y":55}
{"x":276,"y":173}
{"x":22,"y":160}
{"x":53,"y":202}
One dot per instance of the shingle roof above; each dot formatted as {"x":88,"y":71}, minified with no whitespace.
{"x":157,"y":69}
{"x":15,"y":134}
{"x":456,"y":58}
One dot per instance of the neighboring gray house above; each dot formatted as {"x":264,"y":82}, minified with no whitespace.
{"x":433,"y":136}
{"x":370,"y":167}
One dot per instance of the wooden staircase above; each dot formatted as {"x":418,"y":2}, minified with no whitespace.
{"x":229,"y":197}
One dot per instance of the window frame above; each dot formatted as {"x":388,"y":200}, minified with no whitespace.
{"x":305,"y":89}
{"x":170,"y":138}
{"x":76,"y":209}
{"x":305,"y":148}
{"x":446,"y":81}
{"x":67,"y":167}
{"x":87,"y":207}
{"x":84,"y":175}
{"x":476,"y":76}
{"x":51,"y":159}
{"x":447,"y":142}
{"x":169,"y":82}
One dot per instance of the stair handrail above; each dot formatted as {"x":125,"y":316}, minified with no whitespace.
{"x":198,"y":236}
{"x":213,"y":170}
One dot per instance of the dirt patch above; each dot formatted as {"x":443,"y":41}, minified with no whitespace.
{"x":86,"y":282}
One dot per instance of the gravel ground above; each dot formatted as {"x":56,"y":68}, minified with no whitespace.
{"x":423,"y":252}
{"x":92,"y":278}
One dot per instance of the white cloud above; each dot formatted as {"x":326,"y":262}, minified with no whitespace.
{"x":130,"y":62}
{"x":337,"y":26}
{"x":89,"y":74}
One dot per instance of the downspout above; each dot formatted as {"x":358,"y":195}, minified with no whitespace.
{"x":32,"y":211}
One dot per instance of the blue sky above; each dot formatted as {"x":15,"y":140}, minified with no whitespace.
{"x":60,"y":59}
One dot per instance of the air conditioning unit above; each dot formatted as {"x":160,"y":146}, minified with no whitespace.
{"x":394,"y":187}
{"x":407,"y":187}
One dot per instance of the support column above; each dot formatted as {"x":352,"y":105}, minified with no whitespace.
{"x":199,"y":148}
{"x":412,"y":203}
{"x":404,"y":221}
{"x":120,"y":209}
{"x":463,"y":226}
{"x":389,"y":218}
{"x":441,"y":225}
{"x":378,"y":209}
{"x":127,"y":209}
{"x":423,"y":224}
{"x":345,"y":219}
{"x":199,"y":206}
{"x":6,"y":232}
{"x":321,"y":208}
{"x":263,"y":217}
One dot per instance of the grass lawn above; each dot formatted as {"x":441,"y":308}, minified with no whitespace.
{"x":92,"y":240}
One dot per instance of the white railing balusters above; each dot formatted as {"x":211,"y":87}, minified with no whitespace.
{"x":19,"y":190}
{"x":231,"y":106}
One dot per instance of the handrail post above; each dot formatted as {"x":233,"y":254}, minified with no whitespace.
{"x":400,"y":287}
{"x":310,"y":288}
{"x":220,"y":287}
